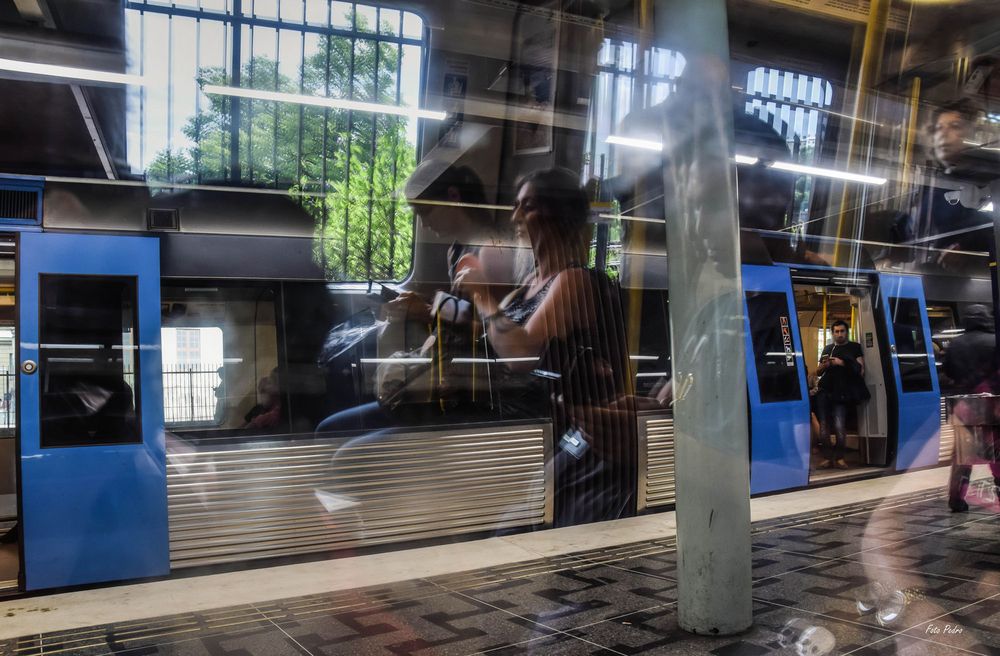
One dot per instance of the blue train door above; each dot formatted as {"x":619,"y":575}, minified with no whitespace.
{"x":912,"y":355}
{"x":92,"y":463}
{"x":776,"y":381}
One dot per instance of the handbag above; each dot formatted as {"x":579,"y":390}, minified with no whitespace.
{"x":406,"y":376}
{"x":432,"y":372}
{"x":855,"y":390}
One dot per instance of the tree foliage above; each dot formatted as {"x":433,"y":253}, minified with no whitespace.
{"x":345,"y":168}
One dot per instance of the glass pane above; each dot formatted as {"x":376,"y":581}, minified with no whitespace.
{"x":389,"y":22}
{"x":367,"y":18}
{"x":342,"y":15}
{"x":413,"y":26}
{"x":265,"y":8}
{"x":88,"y":370}
{"x":221,"y":374}
{"x":773,"y":347}
{"x":215,"y":5}
{"x":317,"y":12}
{"x":193,"y":383}
{"x":291,"y":10}
{"x":911,"y":347}
{"x":8,"y":377}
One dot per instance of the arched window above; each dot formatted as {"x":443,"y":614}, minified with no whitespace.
{"x":614,"y":95}
{"x":228,"y":102}
{"x":796,"y":106}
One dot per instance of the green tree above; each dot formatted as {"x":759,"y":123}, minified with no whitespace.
{"x":355,"y":161}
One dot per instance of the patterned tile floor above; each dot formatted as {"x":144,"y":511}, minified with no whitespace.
{"x":900,"y":576}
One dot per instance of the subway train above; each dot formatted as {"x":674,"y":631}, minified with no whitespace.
{"x":208,"y":207}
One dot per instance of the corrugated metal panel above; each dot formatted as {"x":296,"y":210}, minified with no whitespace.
{"x":656,"y":462}
{"x":947,"y":434}
{"x":240,"y":503}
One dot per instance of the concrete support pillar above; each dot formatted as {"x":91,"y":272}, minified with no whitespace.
{"x":706,"y":315}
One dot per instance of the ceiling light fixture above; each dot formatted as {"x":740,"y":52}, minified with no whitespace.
{"x":828,"y":173}
{"x":335,"y":103}
{"x":69,"y":72}
{"x":644,"y":144}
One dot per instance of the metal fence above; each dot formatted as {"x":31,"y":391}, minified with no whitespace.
{"x":191,"y":393}
{"x":8,"y":399}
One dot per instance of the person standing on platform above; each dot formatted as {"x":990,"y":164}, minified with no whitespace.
{"x":842,"y":367}
{"x":968,"y":363}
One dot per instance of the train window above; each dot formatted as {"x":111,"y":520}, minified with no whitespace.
{"x":773,"y":348}
{"x":8,"y":373}
{"x":87,"y":361}
{"x":193,"y":380}
{"x":911,"y":344}
{"x":226,"y":106}
{"x":220,"y":360}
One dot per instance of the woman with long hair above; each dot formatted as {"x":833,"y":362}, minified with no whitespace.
{"x":560,"y":337}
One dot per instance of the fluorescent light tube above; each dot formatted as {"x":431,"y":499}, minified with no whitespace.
{"x":648,"y":144}
{"x":400,"y":360}
{"x":644,"y":144}
{"x":335,"y":103}
{"x":629,"y":217}
{"x":68,"y":72}
{"x":827,"y":173}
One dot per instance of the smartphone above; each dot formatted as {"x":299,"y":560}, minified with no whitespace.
{"x":574,"y":443}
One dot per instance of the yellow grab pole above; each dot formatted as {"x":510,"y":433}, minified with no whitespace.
{"x":871,"y":60}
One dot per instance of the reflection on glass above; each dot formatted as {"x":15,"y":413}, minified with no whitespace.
{"x":773,"y":348}
{"x":911,"y":348}
{"x":88,"y":369}
{"x":221,"y":372}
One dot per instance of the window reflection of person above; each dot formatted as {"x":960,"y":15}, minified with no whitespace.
{"x":267,"y":414}
{"x":93,"y":405}
{"x":765,"y":195}
{"x":561,"y":334}
{"x":968,"y":364}
{"x":841,"y":364}
{"x":937,"y":222}
{"x":451,"y":206}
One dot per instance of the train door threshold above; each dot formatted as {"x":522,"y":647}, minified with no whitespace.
{"x":824,"y":476}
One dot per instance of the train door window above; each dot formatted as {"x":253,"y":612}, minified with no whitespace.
{"x":911,"y":345}
{"x":220,"y":360}
{"x":88,"y":367}
{"x":773,"y":347}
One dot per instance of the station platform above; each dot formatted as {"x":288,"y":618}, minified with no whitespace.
{"x":879,"y":566}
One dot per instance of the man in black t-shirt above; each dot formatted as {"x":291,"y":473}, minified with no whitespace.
{"x":842,"y":367}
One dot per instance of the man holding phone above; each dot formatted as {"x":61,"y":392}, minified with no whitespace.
{"x":842,"y":367}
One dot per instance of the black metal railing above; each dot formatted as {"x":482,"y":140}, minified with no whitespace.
{"x":192,"y":393}
{"x":8,"y":398}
